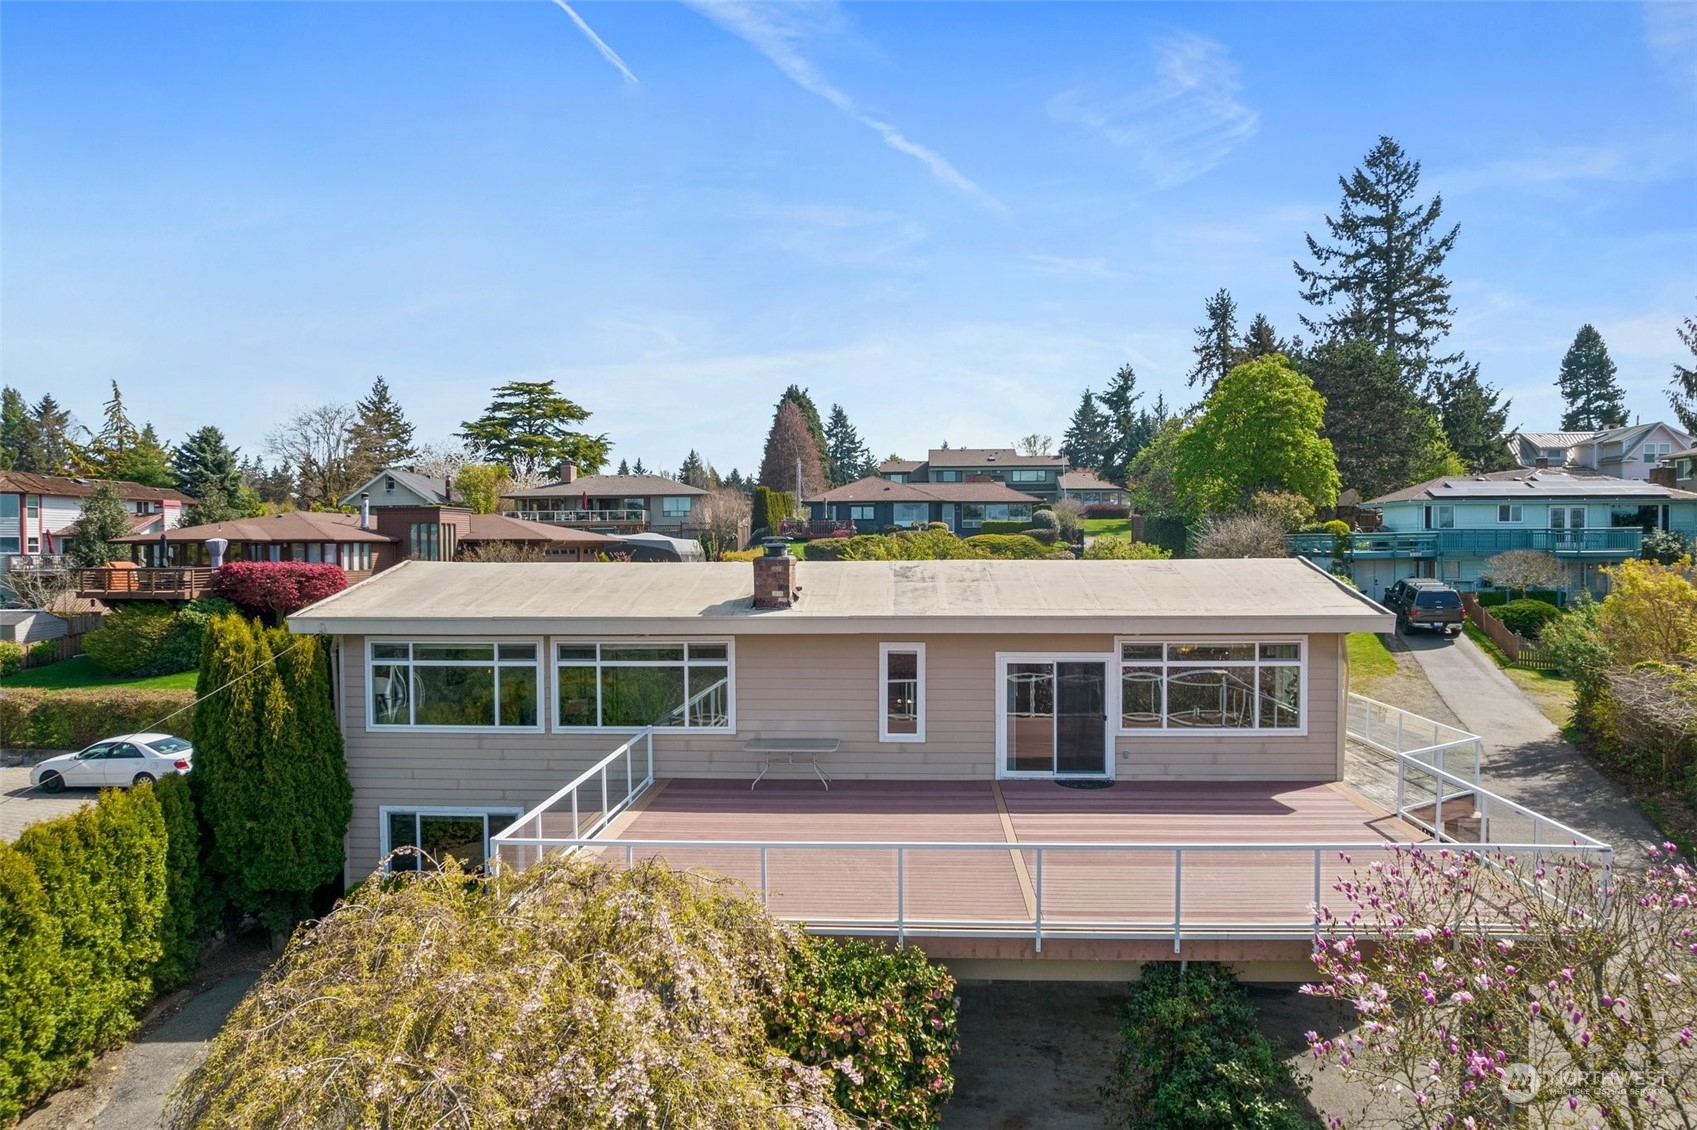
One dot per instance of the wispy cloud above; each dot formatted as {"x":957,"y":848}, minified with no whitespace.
{"x":1670,"y":29}
{"x":777,"y":31}
{"x":1095,"y":267}
{"x":1179,"y":126}
{"x":607,"y":52}
{"x":1558,"y":169}
{"x":838,"y":234}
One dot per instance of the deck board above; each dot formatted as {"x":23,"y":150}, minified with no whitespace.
{"x":982,"y":887}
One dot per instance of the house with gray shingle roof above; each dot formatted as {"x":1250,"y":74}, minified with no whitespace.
{"x":1619,"y":452}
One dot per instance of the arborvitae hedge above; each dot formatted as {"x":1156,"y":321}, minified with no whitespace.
{"x":270,"y":777}
{"x":82,"y":905}
{"x":180,"y":925}
{"x":37,"y":719}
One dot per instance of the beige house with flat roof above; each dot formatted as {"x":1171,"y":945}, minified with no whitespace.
{"x":1077,"y":761}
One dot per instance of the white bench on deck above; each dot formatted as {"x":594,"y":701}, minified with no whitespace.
{"x":788,"y":749}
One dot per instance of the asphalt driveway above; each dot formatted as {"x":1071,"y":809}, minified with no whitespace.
{"x":1526,"y":759}
{"x":21,"y":805}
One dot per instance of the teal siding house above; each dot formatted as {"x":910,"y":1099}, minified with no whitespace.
{"x":1448,"y":528}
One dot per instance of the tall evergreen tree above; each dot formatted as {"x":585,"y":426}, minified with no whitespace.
{"x":205,"y":461}
{"x":1216,"y":345}
{"x":528,"y":427}
{"x":1683,"y":394}
{"x":847,"y":457}
{"x":798,"y":396}
{"x":624,"y":467}
{"x":694,"y":471}
{"x":381,"y":435}
{"x":49,"y":448}
{"x":16,"y":427}
{"x":109,"y":447}
{"x":787,"y":444}
{"x":1588,"y":384}
{"x":1086,"y":441}
{"x":270,"y":775}
{"x":146,"y":462}
{"x":1473,"y":418}
{"x":1384,"y":435}
{"x":103,"y":520}
{"x":638,"y":469}
{"x":1261,"y":339}
{"x":1381,"y":276}
{"x":1125,"y":437}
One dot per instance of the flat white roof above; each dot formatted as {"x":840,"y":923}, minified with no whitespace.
{"x":1260,"y":596}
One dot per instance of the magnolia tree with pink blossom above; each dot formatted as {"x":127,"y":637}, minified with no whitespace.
{"x":1491,"y":991}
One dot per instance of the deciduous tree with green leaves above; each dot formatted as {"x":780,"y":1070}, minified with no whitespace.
{"x":1588,"y":384}
{"x":479,"y":486}
{"x":528,"y":427}
{"x":1260,"y":430}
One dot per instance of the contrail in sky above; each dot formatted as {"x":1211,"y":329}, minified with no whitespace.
{"x":607,"y":52}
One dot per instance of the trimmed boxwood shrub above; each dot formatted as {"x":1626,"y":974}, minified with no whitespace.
{"x":1491,"y":599}
{"x":1527,"y":618}
{"x":1191,"y":1058}
{"x":883,"y":1019}
{"x":39,"y":719}
{"x":1017,"y":526}
{"x":1018,"y":546}
{"x":825,"y":549}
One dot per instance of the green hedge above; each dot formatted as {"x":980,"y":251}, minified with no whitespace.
{"x":825,"y":549}
{"x":1490,"y":599}
{"x":1016,"y":527}
{"x":187,"y":917}
{"x":1020,"y":546}
{"x":1527,"y":618}
{"x":1191,"y":1058}
{"x":39,"y":719}
{"x":891,"y":1014}
{"x":82,"y":905}
{"x":153,"y":639}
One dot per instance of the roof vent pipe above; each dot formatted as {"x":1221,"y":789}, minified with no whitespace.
{"x":364,"y":510}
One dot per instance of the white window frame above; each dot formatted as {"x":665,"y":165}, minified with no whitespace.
{"x":884,"y":652}
{"x":1516,"y":513}
{"x":554,"y":665}
{"x":677,"y":506}
{"x":1164,"y":731}
{"x":372,"y":726}
{"x":896,"y":513}
{"x":384,"y":811}
{"x":1027,"y":475}
{"x":1110,"y":703}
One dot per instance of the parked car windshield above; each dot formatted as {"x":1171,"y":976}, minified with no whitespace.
{"x":1440,"y":598}
{"x":168,"y":746}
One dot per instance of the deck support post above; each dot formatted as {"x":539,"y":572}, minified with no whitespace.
{"x":1037,"y":919}
{"x":1317,"y":918}
{"x":901,"y":876}
{"x":765,"y":892}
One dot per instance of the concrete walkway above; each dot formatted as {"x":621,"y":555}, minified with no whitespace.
{"x":1526,"y":759}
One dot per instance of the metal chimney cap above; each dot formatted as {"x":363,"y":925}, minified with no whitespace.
{"x":776,"y":547}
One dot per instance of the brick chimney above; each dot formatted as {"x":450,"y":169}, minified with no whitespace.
{"x":774,"y":575}
{"x":568,"y":472}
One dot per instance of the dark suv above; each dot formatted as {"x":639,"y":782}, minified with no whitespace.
{"x":1421,"y":602}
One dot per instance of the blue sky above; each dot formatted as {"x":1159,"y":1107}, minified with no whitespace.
{"x":950,"y":218}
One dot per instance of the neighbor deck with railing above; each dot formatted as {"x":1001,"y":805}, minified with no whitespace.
{"x":1603,"y":542}
{"x":1026,"y":860}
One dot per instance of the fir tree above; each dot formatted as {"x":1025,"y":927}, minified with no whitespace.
{"x":1261,"y":340}
{"x":214,"y":506}
{"x":108,"y":448}
{"x":1588,"y":385}
{"x":638,"y":469}
{"x":1384,"y":435}
{"x":787,"y":444}
{"x":382,"y":436}
{"x":528,"y":427}
{"x":1125,"y":436}
{"x":147,"y":462}
{"x":203,"y":462}
{"x":1683,"y":394}
{"x":1381,"y":278}
{"x":1473,"y":419}
{"x":49,"y":449}
{"x":846,"y":455}
{"x":694,"y":471}
{"x":624,"y":467}
{"x":16,"y":427}
{"x":1085,"y":443}
{"x":103,"y":520}
{"x":1216,"y":343}
{"x":798,"y":396}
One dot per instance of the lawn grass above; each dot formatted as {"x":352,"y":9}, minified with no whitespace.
{"x":83,"y":673}
{"x":1118,"y":526}
{"x":1369,"y":658}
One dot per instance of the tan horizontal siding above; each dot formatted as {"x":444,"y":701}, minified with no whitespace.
{"x":815,"y":686}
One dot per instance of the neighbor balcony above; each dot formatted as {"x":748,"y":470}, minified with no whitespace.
{"x":123,"y":581}
{"x":1013,"y":869}
{"x":1613,"y":542}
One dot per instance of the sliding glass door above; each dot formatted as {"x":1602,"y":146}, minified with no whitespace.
{"x":1054,"y":717}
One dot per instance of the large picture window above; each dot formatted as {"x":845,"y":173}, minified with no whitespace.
{"x":1250,"y":685}
{"x":632,"y":685}
{"x":442,"y":832}
{"x":454,"y":685}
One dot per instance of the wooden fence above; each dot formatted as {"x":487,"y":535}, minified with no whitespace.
{"x":1521,"y":651}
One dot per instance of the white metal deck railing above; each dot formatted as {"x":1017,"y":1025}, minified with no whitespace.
{"x":1480,"y":820}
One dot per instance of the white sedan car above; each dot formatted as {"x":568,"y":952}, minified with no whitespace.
{"x":134,"y":759}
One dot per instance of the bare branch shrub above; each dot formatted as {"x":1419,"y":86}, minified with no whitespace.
{"x":1520,"y":569}
{"x":722,"y":516}
{"x":1240,"y":535}
{"x":503,"y":551}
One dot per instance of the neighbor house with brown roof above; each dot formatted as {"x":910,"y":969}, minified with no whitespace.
{"x":878,"y":503}
{"x":610,"y":504}
{"x":39,"y":513}
{"x":1037,"y":475}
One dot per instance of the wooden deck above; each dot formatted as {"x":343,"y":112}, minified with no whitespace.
{"x":1219,"y":890}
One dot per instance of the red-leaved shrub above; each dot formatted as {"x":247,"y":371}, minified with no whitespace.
{"x":274,"y":589}
{"x":1107,"y":510}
